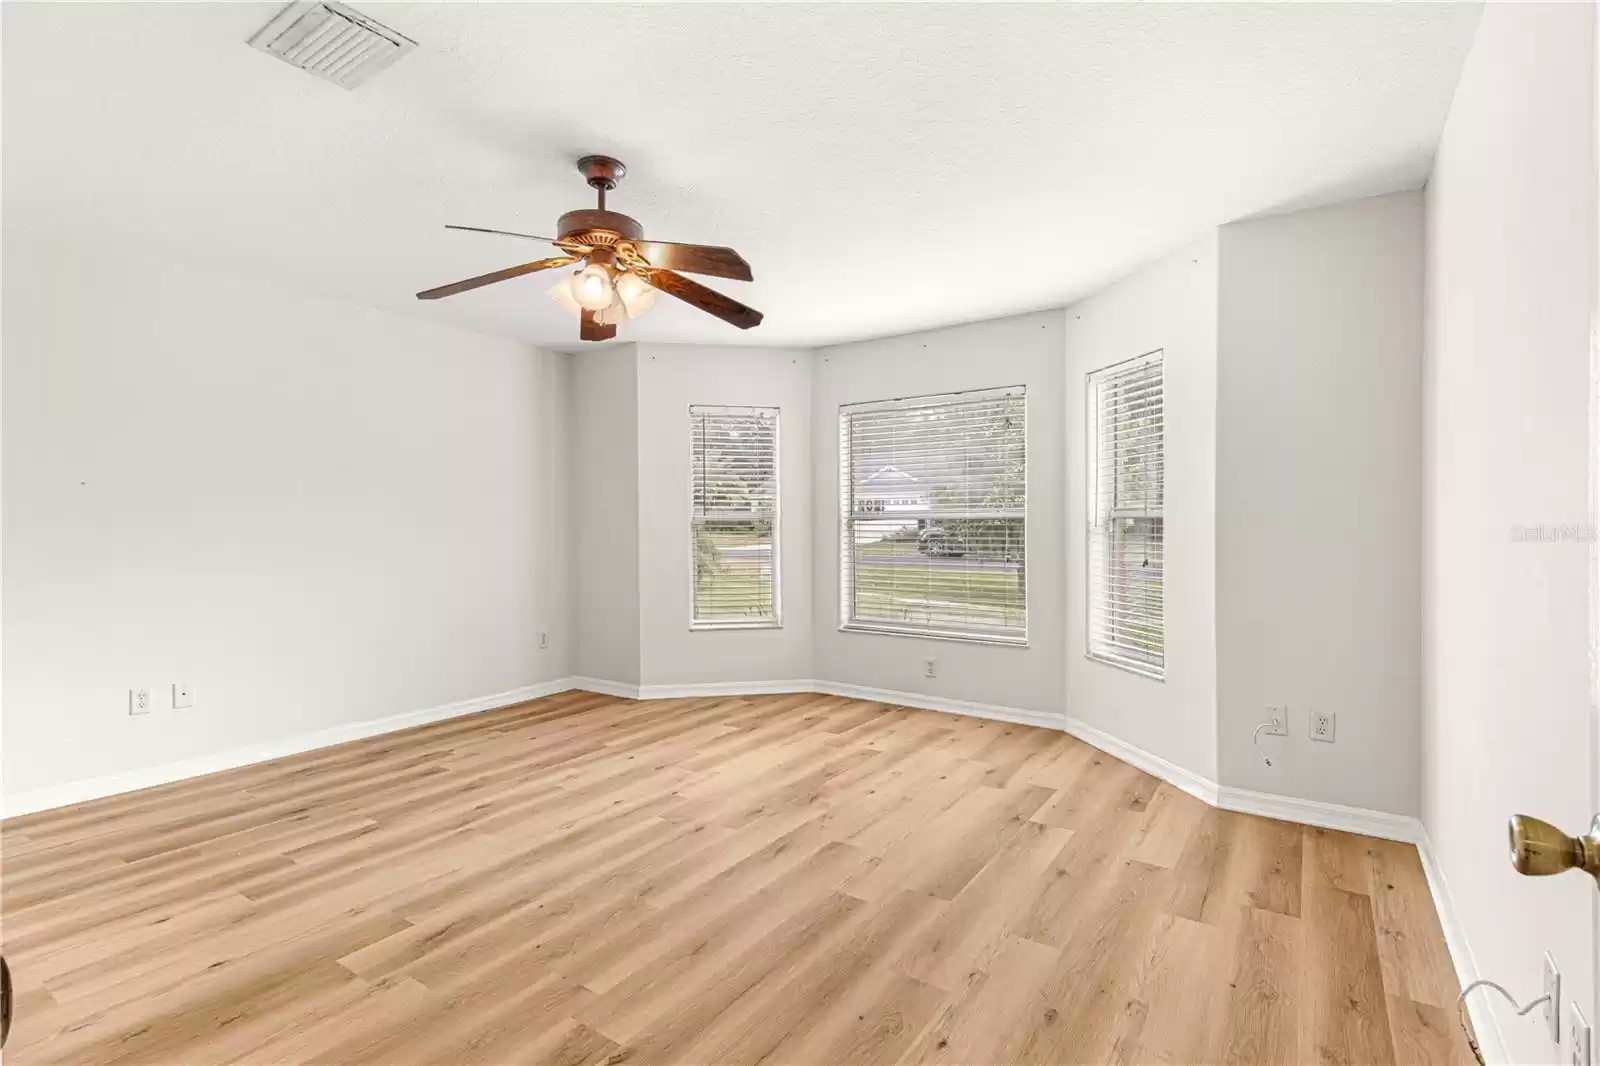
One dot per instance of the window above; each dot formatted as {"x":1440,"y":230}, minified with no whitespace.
{"x":933,"y":516}
{"x":1126,"y":458}
{"x":733,"y":516}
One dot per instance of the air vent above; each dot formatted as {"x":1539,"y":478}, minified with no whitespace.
{"x":331,"y":41}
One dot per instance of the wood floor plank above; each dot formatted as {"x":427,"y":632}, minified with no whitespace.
{"x":974,"y":928}
{"x":1410,"y":938}
{"x":791,"y":880}
{"x":773,"y":1026}
{"x":1171,"y":818}
{"x":1264,"y":993}
{"x":1345,"y":1018}
{"x":1088,"y":1010}
{"x":977,"y":1024}
{"x":1425,"y":1035}
{"x":1336,"y":860}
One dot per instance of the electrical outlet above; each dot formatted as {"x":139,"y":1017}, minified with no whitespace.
{"x":138,"y":701}
{"x":1277,"y":722}
{"x":181,"y":696}
{"x":1322,"y":723}
{"x":930,"y":668}
{"x":1552,"y":1002}
{"x":1577,"y":1037}
{"x":544,"y":640}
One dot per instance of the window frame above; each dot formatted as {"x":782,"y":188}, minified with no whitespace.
{"x":697,"y":625}
{"x":847,"y":514}
{"x":1093,"y":381}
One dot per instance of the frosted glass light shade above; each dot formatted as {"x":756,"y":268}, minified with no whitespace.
{"x":592,"y":288}
{"x":561,"y":293}
{"x":636,"y":294}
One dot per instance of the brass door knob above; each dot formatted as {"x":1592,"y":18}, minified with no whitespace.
{"x":1539,"y":848}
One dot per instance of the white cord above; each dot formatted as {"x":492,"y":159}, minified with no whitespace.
{"x":1490,"y":984}
{"x":1255,"y":738}
{"x":1461,"y":1002}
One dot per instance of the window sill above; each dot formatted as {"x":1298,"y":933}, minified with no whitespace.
{"x":714,"y":627}
{"x":925,"y":634}
{"x":1151,"y":672}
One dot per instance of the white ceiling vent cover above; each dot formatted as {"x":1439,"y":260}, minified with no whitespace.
{"x":331,"y":41}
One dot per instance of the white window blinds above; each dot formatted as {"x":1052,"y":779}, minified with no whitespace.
{"x":733,"y":516}
{"x":933,"y":509}
{"x":1127,"y":613}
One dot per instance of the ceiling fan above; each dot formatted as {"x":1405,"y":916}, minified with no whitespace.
{"x":619,"y":271}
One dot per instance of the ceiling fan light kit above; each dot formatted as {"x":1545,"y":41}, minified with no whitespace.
{"x":618,"y":272}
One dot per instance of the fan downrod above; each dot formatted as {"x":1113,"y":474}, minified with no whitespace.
{"x":598,"y":226}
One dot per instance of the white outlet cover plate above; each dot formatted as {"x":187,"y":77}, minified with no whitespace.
{"x":138,"y":701}
{"x":1578,"y":1045}
{"x":1326,"y":736}
{"x":1278,"y":722}
{"x":1552,"y":1004}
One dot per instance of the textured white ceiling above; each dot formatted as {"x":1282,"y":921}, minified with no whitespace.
{"x":883,"y":167}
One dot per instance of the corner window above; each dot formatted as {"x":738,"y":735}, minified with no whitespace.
{"x":1127,"y":534}
{"x":733,"y":517}
{"x":934,"y":517}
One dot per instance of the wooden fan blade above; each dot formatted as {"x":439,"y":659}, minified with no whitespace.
{"x":499,"y":275}
{"x":590,"y":329}
{"x":710,"y":301}
{"x":502,"y":233}
{"x":696,"y":259}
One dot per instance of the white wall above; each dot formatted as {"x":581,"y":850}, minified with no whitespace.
{"x":556,"y":607}
{"x":312,"y":513}
{"x":671,"y":377}
{"x":1170,"y":305}
{"x":1506,"y":720}
{"x":1024,"y":350}
{"x":1319,"y":484}
{"x":604,"y":491}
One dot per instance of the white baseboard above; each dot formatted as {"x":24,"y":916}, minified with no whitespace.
{"x":618,"y":689}
{"x":1360,"y":820}
{"x":1491,"y":1039}
{"x":725,"y":688}
{"x":43,"y":799}
{"x":1201,"y":788}
{"x":1041,"y":719}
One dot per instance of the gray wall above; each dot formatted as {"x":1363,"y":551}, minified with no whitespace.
{"x":1319,"y":485}
{"x":314,"y":514}
{"x":604,"y":490}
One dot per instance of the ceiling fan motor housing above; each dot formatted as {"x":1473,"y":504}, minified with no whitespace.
{"x":592,"y":226}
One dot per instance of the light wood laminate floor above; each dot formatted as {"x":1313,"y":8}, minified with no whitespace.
{"x":772,"y":879}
